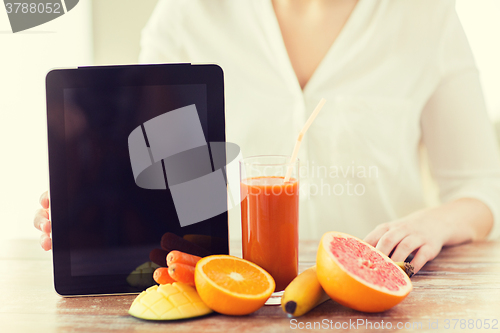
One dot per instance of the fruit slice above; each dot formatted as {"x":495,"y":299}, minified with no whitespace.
{"x":168,"y":302}
{"x":232,"y":286}
{"x":357,"y":275}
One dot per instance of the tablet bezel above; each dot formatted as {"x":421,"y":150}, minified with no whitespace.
{"x":59,"y":79}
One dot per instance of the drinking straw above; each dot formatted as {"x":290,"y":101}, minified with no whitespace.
{"x":301,"y":136}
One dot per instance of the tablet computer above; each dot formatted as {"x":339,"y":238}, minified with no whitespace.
{"x":116,"y":209}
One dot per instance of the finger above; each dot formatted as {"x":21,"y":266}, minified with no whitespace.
{"x":424,"y":254}
{"x":41,"y":217}
{"x":390,"y":240}
{"x":373,"y":237}
{"x":46,"y":227}
{"x":406,"y":247}
{"x":45,"y":242}
{"x":44,"y":200}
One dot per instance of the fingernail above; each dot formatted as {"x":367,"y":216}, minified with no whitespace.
{"x":42,"y":224}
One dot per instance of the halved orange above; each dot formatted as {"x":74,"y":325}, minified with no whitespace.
{"x":232,"y":286}
{"x":357,"y":275}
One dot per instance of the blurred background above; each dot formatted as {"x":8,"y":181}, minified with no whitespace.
{"x":98,"y":32}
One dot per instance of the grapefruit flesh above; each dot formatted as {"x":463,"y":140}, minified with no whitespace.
{"x":357,"y":275}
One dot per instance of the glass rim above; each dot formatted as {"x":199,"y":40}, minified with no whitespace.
{"x":245,"y":160}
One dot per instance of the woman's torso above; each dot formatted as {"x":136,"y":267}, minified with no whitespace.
{"x":360,"y":161}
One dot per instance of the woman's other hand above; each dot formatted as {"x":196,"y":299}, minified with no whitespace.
{"x":42,"y":222}
{"x":425,"y":232}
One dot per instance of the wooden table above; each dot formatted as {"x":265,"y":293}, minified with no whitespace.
{"x":462,"y":283}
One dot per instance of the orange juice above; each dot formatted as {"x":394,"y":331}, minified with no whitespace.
{"x":269,"y":218}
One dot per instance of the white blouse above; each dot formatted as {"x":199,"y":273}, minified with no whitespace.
{"x":399,"y":76}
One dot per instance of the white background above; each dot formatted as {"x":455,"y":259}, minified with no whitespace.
{"x":25,"y":59}
{"x":87,"y":35}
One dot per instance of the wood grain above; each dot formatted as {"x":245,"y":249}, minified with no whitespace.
{"x":463,"y":282}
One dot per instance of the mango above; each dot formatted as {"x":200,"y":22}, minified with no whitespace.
{"x":168,"y":302}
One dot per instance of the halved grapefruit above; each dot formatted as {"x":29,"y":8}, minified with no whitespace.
{"x":357,"y":275}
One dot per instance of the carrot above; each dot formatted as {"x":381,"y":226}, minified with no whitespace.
{"x":161,"y":276}
{"x":170,"y":241}
{"x":179,"y":257}
{"x":182,"y":273}
{"x":159,"y":257}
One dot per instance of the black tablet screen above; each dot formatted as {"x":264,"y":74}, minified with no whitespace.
{"x":115,"y":223}
{"x":112,"y":226}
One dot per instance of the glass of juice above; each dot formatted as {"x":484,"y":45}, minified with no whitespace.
{"x":270,"y":215}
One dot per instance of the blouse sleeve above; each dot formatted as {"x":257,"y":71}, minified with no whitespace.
{"x":456,"y":130}
{"x":158,"y":41}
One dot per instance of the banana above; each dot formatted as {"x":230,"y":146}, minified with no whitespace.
{"x":303,"y":294}
{"x":406,"y":267}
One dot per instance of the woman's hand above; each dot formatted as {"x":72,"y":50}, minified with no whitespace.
{"x":416,"y":233}
{"x":425,"y":232}
{"x":42,"y":222}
